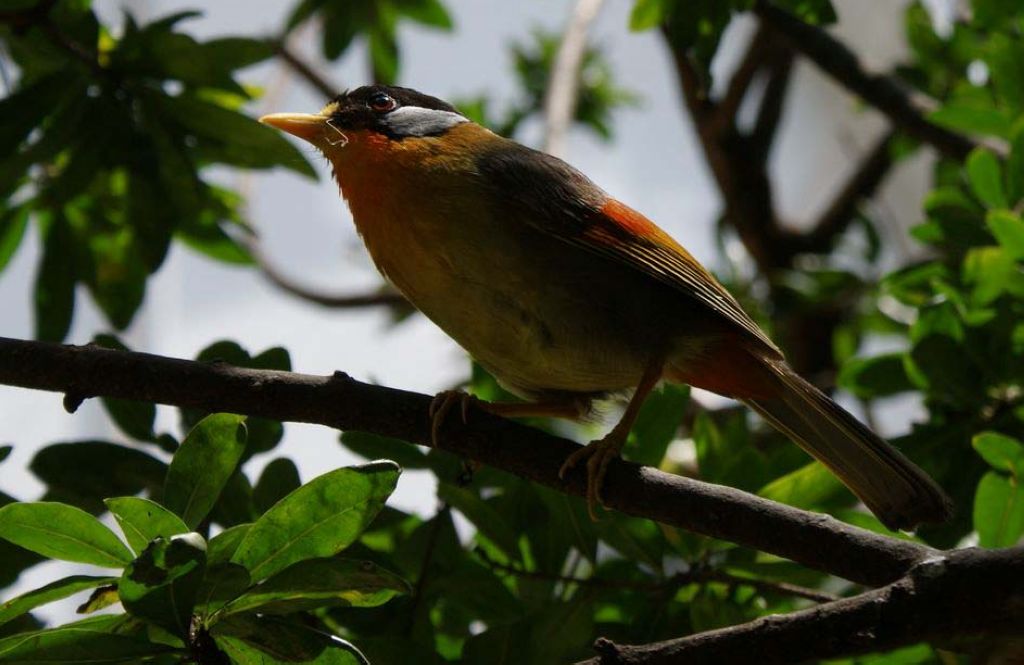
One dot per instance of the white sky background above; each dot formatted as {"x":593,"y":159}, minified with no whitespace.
{"x":655,"y":165}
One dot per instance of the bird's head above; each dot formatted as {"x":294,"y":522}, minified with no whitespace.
{"x":374,"y":112}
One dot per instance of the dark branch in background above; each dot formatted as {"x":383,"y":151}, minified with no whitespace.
{"x":843,"y":210}
{"x":738,"y":159}
{"x":967,"y":593}
{"x":814,"y":540}
{"x":906,"y":110}
{"x":386,"y":297}
{"x":742,"y":179}
{"x":304,"y":70}
{"x":696,"y":575}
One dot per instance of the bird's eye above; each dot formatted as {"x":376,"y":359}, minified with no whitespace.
{"x":382,"y":103}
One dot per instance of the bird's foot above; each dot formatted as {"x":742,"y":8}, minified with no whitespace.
{"x":598,"y":455}
{"x":442,"y":404}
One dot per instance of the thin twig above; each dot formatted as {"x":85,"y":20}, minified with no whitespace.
{"x":305,"y":70}
{"x":862,"y":185}
{"x":752,"y":62}
{"x":696,"y":575}
{"x":386,"y":297}
{"x":906,"y":110}
{"x":564,"y":82}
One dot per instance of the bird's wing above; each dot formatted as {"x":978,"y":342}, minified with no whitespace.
{"x":558,"y":200}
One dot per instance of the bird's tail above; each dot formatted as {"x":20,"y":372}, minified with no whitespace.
{"x":899,"y":493}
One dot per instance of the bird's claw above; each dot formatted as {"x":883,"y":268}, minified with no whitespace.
{"x":441,"y":405}
{"x":598,"y":455}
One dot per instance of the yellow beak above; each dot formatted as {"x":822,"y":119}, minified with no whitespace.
{"x":307,"y":126}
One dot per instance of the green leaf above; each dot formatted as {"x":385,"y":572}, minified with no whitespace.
{"x":940,"y":365}
{"x":998,"y":511}
{"x":314,"y":583}
{"x":222,"y":546}
{"x":384,"y":55}
{"x":1015,"y":165}
{"x":233,"y":53}
{"x":202,"y":465}
{"x":55,"y":283}
{"x":319,"y":519}
{"x":990,"y":12}
{"x":482,"y":515}
{"x":973,"y":119}
{"x":13,"y":223}
{"x":880,"y":376}
{"x":657,"y":424}
{"x":210,"y":239}
{"x":84,"y":473}
{"x":989,"y":270}
{"x":373,"y":447}
{"x":133,"y":418}
{"x":232,"y":138}
{"x":938,"y":319}
{"x":1005,"y":59}
{"x":77,"y":644}
{"x":812,"y":486}
{"x":63,"y":532}
{"x":26,"y":108}
{"x":143,"y":520}
{"x":102,"y":597}
{"x":161,"y":585}
{"x":1002,"y":452}
{"x":279,"y":478}
{"x":986,"y":178}
{"x":262,"y":434}
{"x":431,"y":13}
{"x":646,"y":14}
{"x":222,"y":584}
{"x":272,"y":640}
{"x":62,"y":588}
{"x":1008,"y":228}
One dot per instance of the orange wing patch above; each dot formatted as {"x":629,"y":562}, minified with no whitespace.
{"x":638,"y":225}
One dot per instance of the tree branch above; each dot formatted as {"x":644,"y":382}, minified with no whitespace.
{"x":814,"y":540}
{"x":907,"y":111}
{"x":386,"y":296}
{"x":963,"y":594}
{"x":741,"y":178}
{"x":696,"y":575}
{"x":729,"y":105}
{"x":564,"y":82}
{"x":862,"y":185}
{"x":303,"y":69}
{"x":780,"y":73}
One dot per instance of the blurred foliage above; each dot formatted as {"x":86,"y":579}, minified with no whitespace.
{"x":598,"y":98}
{"x":376,"y":21}
{"x":106,"y":140}
{"x":109,"y":132}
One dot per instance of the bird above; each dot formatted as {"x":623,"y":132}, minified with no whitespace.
{"x":567,"y":295}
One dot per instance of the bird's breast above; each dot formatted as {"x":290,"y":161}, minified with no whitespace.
{"x":540,"y":314}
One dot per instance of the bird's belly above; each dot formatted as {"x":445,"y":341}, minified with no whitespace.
{"x":540,"y":315}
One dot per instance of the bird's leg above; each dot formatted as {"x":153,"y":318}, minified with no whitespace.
{"x":601,"y":452}
{"x":443,"y":403}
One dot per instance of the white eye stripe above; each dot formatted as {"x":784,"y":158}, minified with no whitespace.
{"x":419,"y":121}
